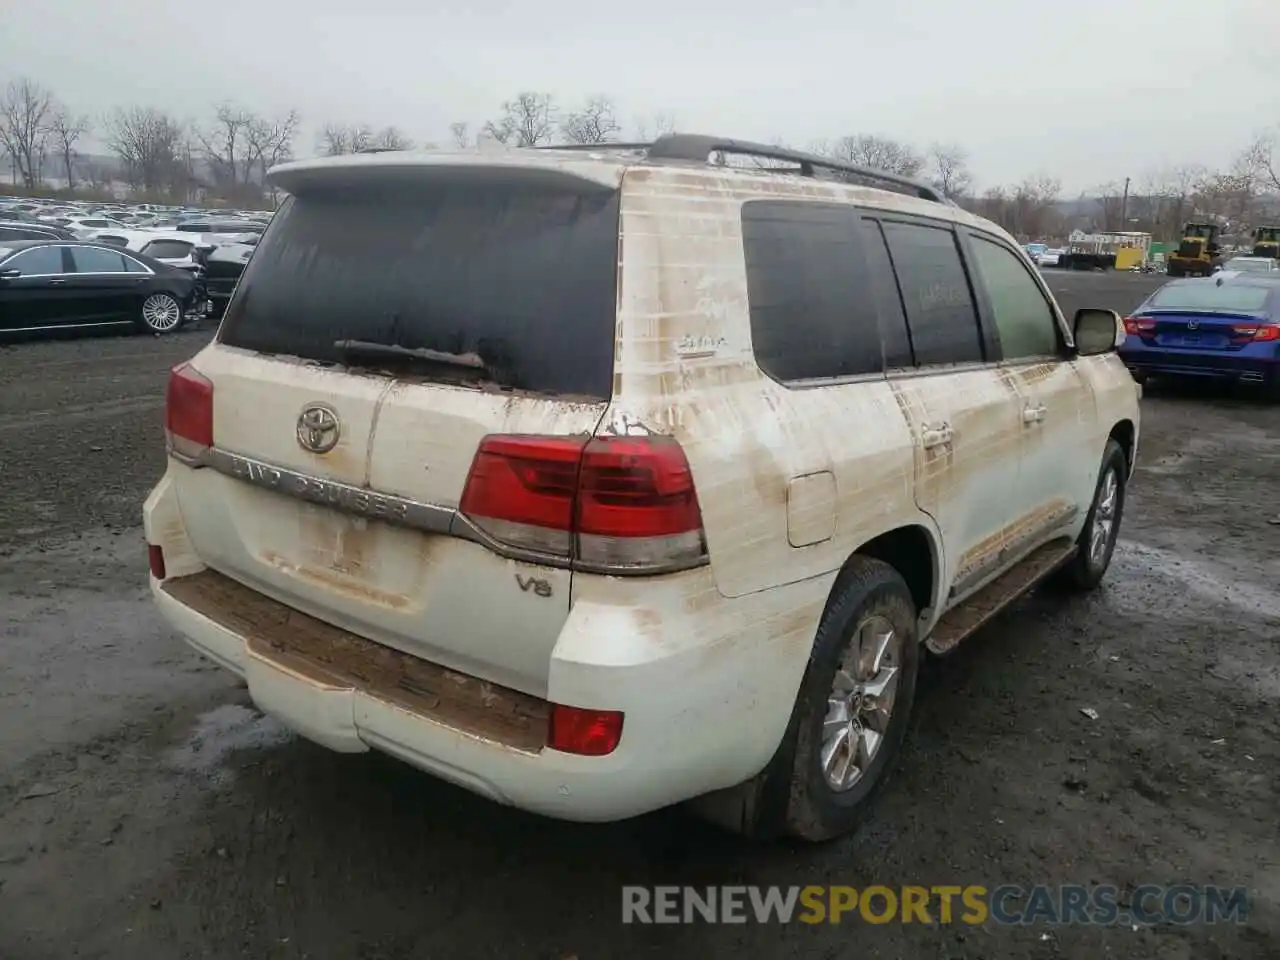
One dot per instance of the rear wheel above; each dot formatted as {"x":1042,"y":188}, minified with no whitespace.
{"x":854,"y":704}
{"x":161,"y":313}
{"x":1097,"y":541}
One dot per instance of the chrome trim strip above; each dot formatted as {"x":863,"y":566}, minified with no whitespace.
{"x":389,"y":508}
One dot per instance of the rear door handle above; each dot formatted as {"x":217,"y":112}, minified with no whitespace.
{"x":53,"y":280}
{"x":1032,"y":415}
{"x":936,"y":435}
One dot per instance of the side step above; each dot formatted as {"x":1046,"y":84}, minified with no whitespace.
{"x":960,"y":621}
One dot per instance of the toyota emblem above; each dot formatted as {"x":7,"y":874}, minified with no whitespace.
{"x":318,"y":428}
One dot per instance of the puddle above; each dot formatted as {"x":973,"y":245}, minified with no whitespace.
{"x":219,"y":733}
{"x":1199,"y":579}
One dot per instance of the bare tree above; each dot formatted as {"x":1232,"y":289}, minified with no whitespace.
{"x":654,"y":125}
{"x":148,"y":143}
{"x":1028,"y":210}
{"x":949,"y":169}
{"x":527,"y":121}
{"x":1167,"y":199}
{"x":390,"y":138}
{"x":225,"y":145}
{"x":339,"y":138}
{"x":460,"y":131}
{"x":25,"y":111}
{"x":1260,"y":156}
{"x":596,"y":122}
{"x":879,"y":153}
{"x":269,"y":142}
{"x":66,"y":131}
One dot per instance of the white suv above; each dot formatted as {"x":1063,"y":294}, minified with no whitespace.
{"x":596,"y":481}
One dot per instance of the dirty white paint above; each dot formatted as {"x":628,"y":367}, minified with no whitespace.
{"x":791,"y":482}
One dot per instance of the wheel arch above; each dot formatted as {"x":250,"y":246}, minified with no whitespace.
{"x":914,"y":551}
{"x":1125,"y":433}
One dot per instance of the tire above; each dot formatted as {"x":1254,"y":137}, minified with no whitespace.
{"x":160,"y":313}
{"x":870,"y":597}
{"x":1086,"y":569}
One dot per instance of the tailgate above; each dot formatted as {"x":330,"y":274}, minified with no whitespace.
{"x":336,"y":475}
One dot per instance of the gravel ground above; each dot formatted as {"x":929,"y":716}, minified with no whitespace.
{"x":147,"y":810}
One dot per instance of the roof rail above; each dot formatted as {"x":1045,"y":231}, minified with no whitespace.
{"x":589,"y":147}
{"x":698,"y":148}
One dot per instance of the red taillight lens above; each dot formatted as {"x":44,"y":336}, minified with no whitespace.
{"x":622,"y":503}
{"x":188,"y":412}
{"x":1266,"y":332}
{"x":1138,"y":325}
{"x":155,"y":559}
{"x":588,"y":733}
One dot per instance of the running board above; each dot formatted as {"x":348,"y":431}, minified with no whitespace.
{"x":962,"y":620}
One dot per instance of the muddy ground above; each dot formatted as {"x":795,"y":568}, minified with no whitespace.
{"x":146,"y":810}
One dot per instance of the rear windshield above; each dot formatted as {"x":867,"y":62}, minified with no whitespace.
{"x":524,"y":277}
{"x":167,"y":249}
{"x":1227,"y":297}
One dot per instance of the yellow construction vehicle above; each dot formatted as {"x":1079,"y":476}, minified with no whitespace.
{"x":1266,"y":242}
{"x":1198,"y":253}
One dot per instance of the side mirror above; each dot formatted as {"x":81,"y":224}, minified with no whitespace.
{"x":1097,"y":331}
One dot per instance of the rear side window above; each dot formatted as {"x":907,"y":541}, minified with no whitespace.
{"x":523,"y":276}
{"x":95,"y":260}
{"x":935,"y":291}
{"x":167,"y":249}
{"x":813,"y":311}
{"x":1209,"y":295}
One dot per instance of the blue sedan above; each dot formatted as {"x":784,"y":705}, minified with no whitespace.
{"x":1226,"y":327}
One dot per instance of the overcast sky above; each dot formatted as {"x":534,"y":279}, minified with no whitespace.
{"x":1086,"y":90}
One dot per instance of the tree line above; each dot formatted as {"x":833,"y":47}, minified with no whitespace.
{"x":226,"y":156}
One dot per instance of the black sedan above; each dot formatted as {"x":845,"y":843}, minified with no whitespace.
{"x":71,"y":285}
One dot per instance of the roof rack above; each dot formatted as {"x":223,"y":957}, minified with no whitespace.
{"x":697,"y":148}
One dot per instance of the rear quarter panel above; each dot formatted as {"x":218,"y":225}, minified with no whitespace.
{"x":685,"y":367}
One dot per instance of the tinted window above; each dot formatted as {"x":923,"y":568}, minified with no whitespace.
{"x":523,"y":276}
{"x":813,"y":312}
{"x":935,"y":291}
{"x":133,"y":266}
{"x":41,"y":260}
{"x":167,"y":249}
{"x":96,"y":260}
{"x":893,"y":322}
{"x":1208,"y":295}
{"x":1023,"y":317}
{"x":14,"y":233}
{"x":94,"y":223}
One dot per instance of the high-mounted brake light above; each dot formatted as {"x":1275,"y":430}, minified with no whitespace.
{"x":188,"y":412}
{"x":615,"y":504}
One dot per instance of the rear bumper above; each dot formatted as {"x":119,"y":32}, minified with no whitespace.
{"x":1257,"y":361}
{"x":706,"y":686}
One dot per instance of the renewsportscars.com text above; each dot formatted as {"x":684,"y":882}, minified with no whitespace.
{"x":970,"y":904}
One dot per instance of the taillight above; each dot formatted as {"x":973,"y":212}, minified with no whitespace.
{"x":617,"y":504}
{"x":1266,"y":332}
{"x":588,"y":733}
{"x":1138,"y":325}
{"x":188,"y":412}
{"x":155,"y":559}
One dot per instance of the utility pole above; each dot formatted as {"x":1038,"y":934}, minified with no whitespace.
{"x":1124,"y":205}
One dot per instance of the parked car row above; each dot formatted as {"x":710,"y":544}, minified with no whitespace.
{"x":193,"y":245}
{"x":74,"y":284}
